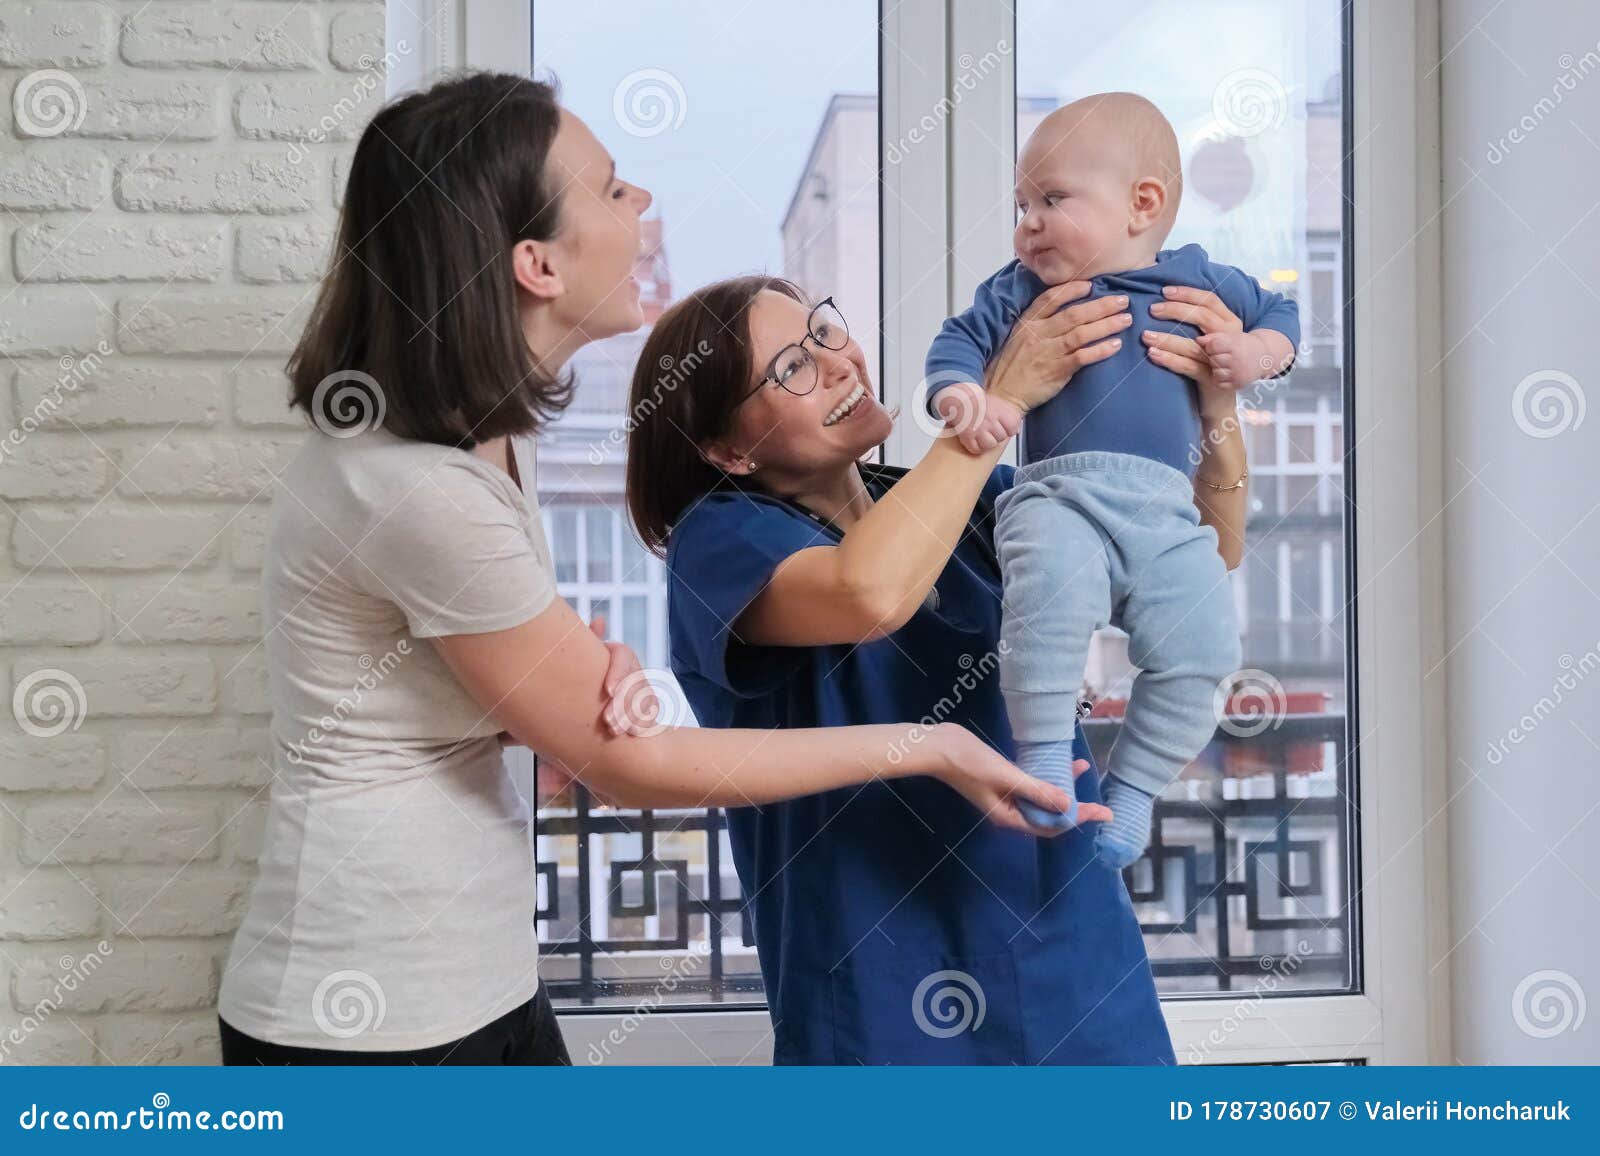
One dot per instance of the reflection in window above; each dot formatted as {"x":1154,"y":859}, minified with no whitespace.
{"x":1252,"y":853}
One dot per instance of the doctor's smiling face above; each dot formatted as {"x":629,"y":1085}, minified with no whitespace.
{"x":809,"y":406}
{"x":745,"y":380}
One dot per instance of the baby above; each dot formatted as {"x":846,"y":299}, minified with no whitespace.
{"x":1101,"y":525}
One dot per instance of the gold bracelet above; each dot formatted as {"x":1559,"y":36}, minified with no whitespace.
{"x":1228,"y":489}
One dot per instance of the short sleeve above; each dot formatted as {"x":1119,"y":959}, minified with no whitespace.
{"x":1256,"y":308}
{"x":454,"y":553}
{"x":719,"y":558}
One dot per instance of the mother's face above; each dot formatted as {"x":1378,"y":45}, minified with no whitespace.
{"x":791,"y":438}
{"x":593,"y":291}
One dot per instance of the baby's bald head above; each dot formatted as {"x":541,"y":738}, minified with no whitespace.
{"x":1098,"y":184}
{"x":1121,"y":131}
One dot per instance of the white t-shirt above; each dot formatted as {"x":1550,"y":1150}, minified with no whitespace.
{"x":395,"y":903}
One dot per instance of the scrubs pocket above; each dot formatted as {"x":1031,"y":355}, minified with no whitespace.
{"x":937,"y":1009}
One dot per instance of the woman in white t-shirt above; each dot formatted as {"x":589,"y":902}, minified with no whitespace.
{"x":412,"y":615}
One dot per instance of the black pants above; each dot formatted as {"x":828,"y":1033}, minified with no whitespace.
{"x":527,"y":1034}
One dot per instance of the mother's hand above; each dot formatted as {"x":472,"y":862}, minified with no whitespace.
{"x":993,"y":785}
{"x":1047,"y":347}
{"x":1184,"y":355}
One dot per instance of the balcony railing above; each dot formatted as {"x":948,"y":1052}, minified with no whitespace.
{"x":1248,"y":875}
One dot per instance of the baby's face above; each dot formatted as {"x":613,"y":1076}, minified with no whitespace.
{"x":1072,"y":205}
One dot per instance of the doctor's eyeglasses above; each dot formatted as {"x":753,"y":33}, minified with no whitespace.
{"x":794,"y":369}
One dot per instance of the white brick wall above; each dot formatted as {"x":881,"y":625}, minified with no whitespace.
{"x":168,"y":181}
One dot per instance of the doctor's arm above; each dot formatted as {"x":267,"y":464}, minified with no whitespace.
{"x":1221,"y":491}
{"x":872,"y":582}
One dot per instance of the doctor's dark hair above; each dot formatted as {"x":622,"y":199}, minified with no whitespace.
{"x":419,"y":305}
{"x":696,"y":365}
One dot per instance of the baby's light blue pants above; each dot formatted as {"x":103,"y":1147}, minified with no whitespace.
{"x":1087,"y":539}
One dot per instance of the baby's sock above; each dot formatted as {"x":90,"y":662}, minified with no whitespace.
{"x":1052,"y":762}
{"x":1124,"y":838}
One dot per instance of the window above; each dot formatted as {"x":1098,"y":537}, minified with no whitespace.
{"x":629,"y":897}
{"x":1251,"y":848}
{"x":890,"y":133}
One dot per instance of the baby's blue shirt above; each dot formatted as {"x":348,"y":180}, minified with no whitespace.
{"x":1126,"y":403}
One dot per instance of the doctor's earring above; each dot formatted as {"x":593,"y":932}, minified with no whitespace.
{"x":750,"y":465}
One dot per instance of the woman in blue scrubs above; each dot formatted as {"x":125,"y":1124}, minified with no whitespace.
{"x":810,"y":589}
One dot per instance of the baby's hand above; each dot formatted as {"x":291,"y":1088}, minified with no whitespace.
{"x":1238,"y":359}
{"x":979,"y":419}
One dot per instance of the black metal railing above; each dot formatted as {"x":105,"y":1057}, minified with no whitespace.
{"x":1234,"y":888}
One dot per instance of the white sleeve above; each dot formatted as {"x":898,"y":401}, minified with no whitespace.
{"x":453,"y":552}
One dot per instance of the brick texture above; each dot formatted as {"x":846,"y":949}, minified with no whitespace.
{"x":170,"y":174}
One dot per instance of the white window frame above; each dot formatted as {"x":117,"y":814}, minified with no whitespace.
{"x":946,"y":216}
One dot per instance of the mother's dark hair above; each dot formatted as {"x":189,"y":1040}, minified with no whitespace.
{"x":697,"y":364}
{"x":420,"y":294}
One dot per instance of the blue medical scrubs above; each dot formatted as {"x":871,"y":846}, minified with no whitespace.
{"x":875,"y":907}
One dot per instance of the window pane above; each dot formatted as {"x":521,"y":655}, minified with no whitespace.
{"x":635,"y":558}
{"x":628,"y":899}
{"x":563,"y":531}
{"x":635,"y":623}
{"x":597,"y":522}
{"x":1302,"y":443}
{"x":1252,"y":848}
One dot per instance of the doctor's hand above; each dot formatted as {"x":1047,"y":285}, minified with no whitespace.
{"x":993,"y":785}
{"x":1190,"y":358}
{"x":1047,"y":347}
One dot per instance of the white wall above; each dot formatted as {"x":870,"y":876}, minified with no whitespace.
{"x":1521,"y":296}
{"x":165,"y":210}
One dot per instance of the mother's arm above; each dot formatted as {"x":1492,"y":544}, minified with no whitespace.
{"x":1220,"y":490}
{"x":872,"y":582}
{"x":545,"y":682}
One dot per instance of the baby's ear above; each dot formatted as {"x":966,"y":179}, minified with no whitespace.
{"x":1149,"y":203}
